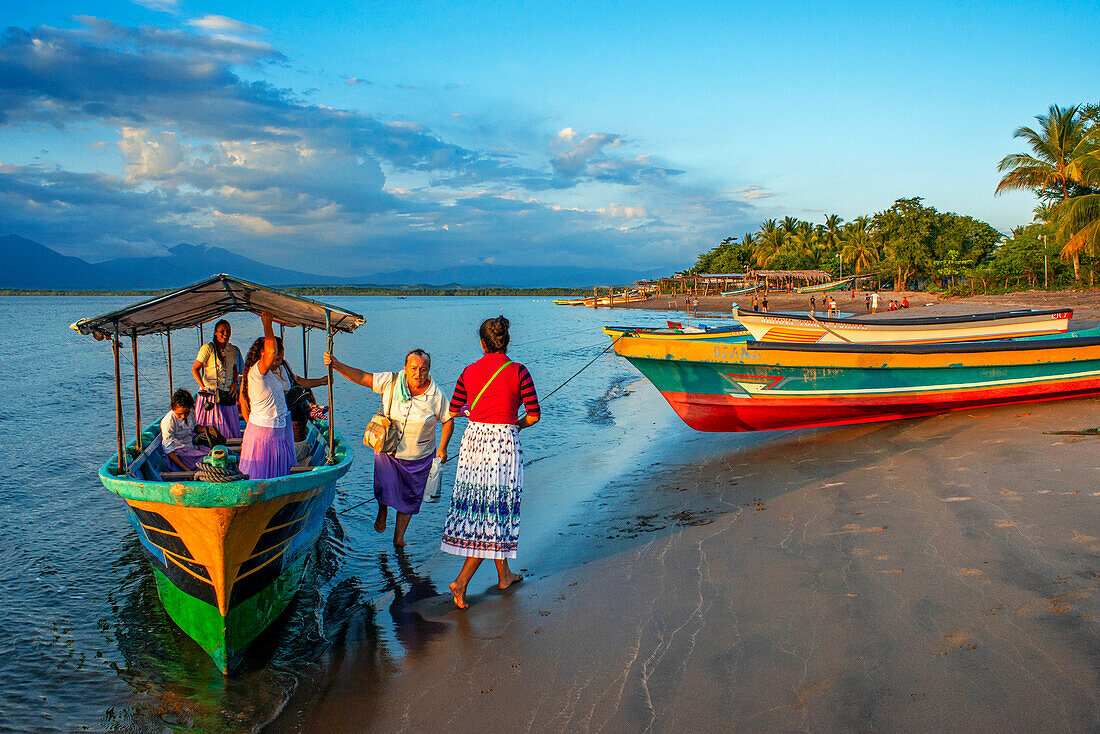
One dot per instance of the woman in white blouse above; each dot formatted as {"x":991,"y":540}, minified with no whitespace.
{"x":266,"y":452}
{"x":416,"y":406}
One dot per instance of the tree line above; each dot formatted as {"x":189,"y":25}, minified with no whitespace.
{"x":913,"y":244}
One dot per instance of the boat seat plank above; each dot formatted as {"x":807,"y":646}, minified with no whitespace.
{"x":135,"y":469}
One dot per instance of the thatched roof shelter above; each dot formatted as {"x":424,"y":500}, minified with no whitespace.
{"x":803,"y":277}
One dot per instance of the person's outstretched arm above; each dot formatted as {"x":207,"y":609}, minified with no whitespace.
{"x":357,"y":376}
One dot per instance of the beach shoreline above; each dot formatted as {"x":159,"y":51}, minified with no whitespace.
{"x":938,"y":573}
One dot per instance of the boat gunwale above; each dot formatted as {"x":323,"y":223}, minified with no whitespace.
{"x":231,"y":494}
{"x":968,"y":347}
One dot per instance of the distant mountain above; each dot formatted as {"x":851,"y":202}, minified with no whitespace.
{"x":190,"y":263}
{"x":28,"y":265}
{"x":511,"y":276}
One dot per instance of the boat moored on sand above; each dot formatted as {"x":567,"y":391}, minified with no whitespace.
{"x":794,"y":328}
{"x":756,"y":386}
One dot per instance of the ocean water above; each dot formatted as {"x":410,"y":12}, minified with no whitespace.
{"x":86,"y":644}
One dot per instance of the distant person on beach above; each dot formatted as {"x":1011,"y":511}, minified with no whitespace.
{"x":905,"y":302}
{"x":416,"y":404}
{"x":483,"y":521}
{"x":874,"y":302}
{"x":177,"y":429}
{"x":764,"y":305}
{"x":694,"y":306}
{"x":267,"y":448}
{"x":867,"y":302}
{"x":832,"y":307}
{"x":215,"y":370}
{"x":813,"y":305}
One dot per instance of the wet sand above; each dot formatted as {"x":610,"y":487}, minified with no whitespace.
{"x":936,"y":574}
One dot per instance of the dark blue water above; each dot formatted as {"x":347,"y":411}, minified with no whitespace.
{"x":86,"y":644}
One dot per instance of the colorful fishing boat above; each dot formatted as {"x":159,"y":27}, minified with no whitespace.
{"x":227,"y":556}
{"x":680,"y":332}
{"x":835,"y":285}
{"x":742,"y":291}
{"x":758,"y":386}
{"x":793,"y":328}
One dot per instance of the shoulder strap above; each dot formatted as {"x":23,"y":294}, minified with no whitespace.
{"x":393,"y":388}
{"x":490,"y":382}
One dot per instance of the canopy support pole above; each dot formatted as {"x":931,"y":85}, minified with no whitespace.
{"x":331,"y":409}
{"x":171,"y":392}
{"x":201,"y":340}
{"x":118,"y":405}
{"x":137,"y":393}
{"x":305,"y":353}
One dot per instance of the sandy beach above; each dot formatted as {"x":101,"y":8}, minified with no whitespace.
{"x":934,"y":574}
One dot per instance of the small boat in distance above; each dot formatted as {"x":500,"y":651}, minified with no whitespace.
{"x":742,"y":291}
{"x":793,"y":328}
{"x":835,"y":285}
{"x":762,"y":386}
{"x":227,"y":556}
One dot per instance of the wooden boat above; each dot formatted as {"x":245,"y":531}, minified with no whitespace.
{"x":835,"y":285}
{"x":792,"y":328}
{"x":742,"y":291}
{"x":678,"y":332}
{"x":227,"y":557}
{"x":756,"y":386}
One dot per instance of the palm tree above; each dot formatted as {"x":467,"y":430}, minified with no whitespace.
{"x":859,"y":245}
{"x":1078,"y":217}
{"x":832,"y":230}
{"x":767,"y":244}
{"x":1059,"y":142}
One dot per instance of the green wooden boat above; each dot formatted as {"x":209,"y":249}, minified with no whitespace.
{"x":227,"y":556}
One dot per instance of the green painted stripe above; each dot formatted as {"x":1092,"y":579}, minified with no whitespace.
{"x":225,"y":638}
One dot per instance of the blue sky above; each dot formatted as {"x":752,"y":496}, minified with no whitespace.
{"x":350,"y":138}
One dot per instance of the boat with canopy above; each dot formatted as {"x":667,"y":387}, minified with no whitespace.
{"x":795,"y":328}
{"x":228,"y":556}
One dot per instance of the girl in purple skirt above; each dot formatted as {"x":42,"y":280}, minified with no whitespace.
{"x":266,"y":452}
{"x":215,"y":370}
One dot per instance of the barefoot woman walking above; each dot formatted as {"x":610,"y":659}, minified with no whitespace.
{"x":484,"y":518}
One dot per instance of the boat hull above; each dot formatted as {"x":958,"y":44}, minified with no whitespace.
{"x":760,"y":387}
{"x":673,"y":334}
{"x":229,"y":557}
{"x":791,"y":328}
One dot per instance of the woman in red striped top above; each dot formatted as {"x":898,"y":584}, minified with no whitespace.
{"x":483,"y":521}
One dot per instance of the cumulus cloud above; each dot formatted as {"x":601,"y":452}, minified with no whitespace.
{"x":206,"y":154}
{"x":354,"y":81}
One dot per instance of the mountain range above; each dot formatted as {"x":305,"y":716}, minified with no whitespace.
{"x":28,"y":265}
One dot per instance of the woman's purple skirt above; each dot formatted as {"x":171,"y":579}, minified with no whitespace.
{"x":265,"y":453}
{"x":399,"y":483}
{"x":226,"y":418}
{"x":190,"y":456}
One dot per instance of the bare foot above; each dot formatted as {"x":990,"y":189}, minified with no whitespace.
{"x":509,"y":579}
{"x":380,"y":523}
{"x":459,"y":593}
{"x":399,"y":543}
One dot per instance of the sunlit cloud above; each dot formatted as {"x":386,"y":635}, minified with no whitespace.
{"x":222,"y":24}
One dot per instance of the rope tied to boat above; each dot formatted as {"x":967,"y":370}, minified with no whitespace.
{"x":826,"y":328}
{"x":208,"y":473}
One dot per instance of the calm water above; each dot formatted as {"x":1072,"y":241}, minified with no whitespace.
{"x":86,"y":644}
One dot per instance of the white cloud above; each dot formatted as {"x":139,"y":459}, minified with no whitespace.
{"x":748,"y":193}
{"x":566,"y":136}
{"x":148,"y":154}
{"x":223,"y":24}
{"x":623,"y":211}
{"x":165,"y":5}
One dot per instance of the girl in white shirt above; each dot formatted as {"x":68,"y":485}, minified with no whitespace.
{"x":265,"y":451}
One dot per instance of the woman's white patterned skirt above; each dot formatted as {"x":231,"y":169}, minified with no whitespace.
{"x":484,"y":517}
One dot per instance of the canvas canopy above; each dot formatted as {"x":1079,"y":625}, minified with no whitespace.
{"x":207,"y":300}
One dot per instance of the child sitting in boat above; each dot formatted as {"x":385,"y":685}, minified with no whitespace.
{"x":177,"y":428}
